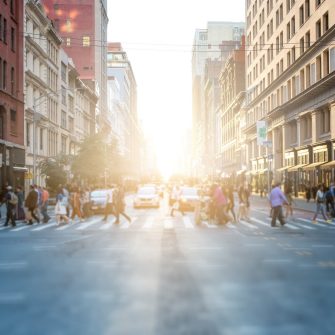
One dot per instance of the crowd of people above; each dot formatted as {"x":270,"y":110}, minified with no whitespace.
{"x":71,"y":202}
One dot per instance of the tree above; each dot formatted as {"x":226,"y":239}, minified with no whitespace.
{"x":53,"y":168}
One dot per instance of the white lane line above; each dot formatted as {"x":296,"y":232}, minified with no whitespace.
{"x":292,"y":226}
{"x":260,"y":222}
{"x":326,"y":223}
{"x":209,"y":225}
{"x":168,"y":224}
{"x":247,"y":224}
{"x":87,"y":224}
{"x":317,"y":224}
{"x":21,"y":228}
{"x":148,"y":224}
{"x":231,"y":226}
{"x":187,"y":222}
{"x":45,"y":226}
{"x":305,"y":226}
{"x":107,"y":225}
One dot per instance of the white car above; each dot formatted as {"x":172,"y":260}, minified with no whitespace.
{"x":98,"y":199}
{"x":147,"y":196}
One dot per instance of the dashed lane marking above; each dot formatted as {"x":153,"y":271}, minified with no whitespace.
{"x":187,"y":222}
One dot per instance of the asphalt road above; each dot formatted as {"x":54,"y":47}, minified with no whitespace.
{"x":164,"y":275}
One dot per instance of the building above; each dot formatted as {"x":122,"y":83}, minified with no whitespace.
{"x":232,"y":82}
{"x":290,"y":86}
{"x":122,"y":90}
{"x":83,"y":27}
{"x":211,"y":46}
{"x":59,"y":107}
{"x":12,"y":151}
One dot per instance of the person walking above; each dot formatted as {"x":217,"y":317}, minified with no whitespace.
{"x":76,"y":205}
{"x":320,"y":199}
{"x":60,"y":208}
{"x":11,"y":203}
{"x":243,"y":195}
{"x":31,"y":204}
{"x":231,"y":202}
{"x":20,"y":205}
{"x":308,"y":192}
{"x":176,"y":195}
{"x":290,"y":202}
{"x":120,"y":204}
{"x":44,"y":205}
{"x":110,"y":204}
{"x":220,"y":202}
{"x":277,"y":199}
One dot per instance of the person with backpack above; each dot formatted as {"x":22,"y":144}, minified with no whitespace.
{"x":11,"y":204}
{"x":320,"y":199}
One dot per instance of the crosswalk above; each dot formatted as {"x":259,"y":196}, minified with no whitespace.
{"x":152,"y":222}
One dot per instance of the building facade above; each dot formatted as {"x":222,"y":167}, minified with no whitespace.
{"x":211,"y":46}
{"x":12,"y":151}
{"x":59,"y":107}
{"x":83,"y":27}
{"x":123,"y":106}
{"x":290,"y":85}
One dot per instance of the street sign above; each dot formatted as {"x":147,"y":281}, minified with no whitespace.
{"x":28,"y":175}
{"x":261,"y":132}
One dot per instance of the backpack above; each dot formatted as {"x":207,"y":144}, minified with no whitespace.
{"x":13,"y":199}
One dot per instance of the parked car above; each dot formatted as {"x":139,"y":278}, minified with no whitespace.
{"x":98,"y":200}
{"x":146,"y":196}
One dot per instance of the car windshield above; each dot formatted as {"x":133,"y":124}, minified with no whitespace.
{"x":99,"y":194}
{"x":190,"y":191}
{"x":146,"y":191}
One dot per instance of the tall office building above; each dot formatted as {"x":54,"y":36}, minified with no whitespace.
{"x":12,"y":152}
{"x":290,"y":85}
{"x":83,"y":28}
{"x":211,"y":46}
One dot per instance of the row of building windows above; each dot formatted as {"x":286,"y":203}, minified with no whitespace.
{"x":4,"y":76}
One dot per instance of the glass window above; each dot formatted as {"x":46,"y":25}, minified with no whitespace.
{"x":86,"y":41}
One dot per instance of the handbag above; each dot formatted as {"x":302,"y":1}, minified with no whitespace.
{"x":60,"y":209}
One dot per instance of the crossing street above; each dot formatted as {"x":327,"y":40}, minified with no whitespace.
{"x":164,"y":272}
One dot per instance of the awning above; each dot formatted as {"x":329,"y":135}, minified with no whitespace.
{"x":20,"y":169}
{"x":328,"y":165}
{"x":296,"y":167}
{"x":284,"y":168}
{"x":312,"y":166}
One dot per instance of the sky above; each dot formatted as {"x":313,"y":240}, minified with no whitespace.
{"x":157,"y":36}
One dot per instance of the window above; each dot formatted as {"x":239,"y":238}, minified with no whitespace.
{"x":12,"y":9}
{"x":312,"y":75}
{"x":63,"y":120}
{"x":288,"y":31}
{"x":325,"y":63}
{"x":4,"y":38}
{"x":12,"y":39}
{"x":318,"y":29}
{"x":13,"y":121}
{"x":307,"y":9}
{"x":12,"y":81}
{"x":325,"y":22}
{"x":41,"y":138}
{"x":301,"y":15}
{"x":325,"y":121}
{"x":68,"y":41}
{"x":293,"y":26}
{"x":308,"y":76}
{"x":318,"y":68}
{"x":64,"y":96}
{"x":332,"y":59}
{"x":318,"y":3}
{"x":2,"y":123}
{"x":0,"y":27}
{"x":63,"y":72}
{"x":308,"y":40}
{"x":4,"y":75}
{"x":28,"y":125}
{"x":63,"y":144}
{"x":288,"y":59}
{"x":86,"y":41}
{"x":293,"y":54}
{"x":302,"y":46}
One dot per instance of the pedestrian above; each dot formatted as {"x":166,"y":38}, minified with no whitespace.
{"x":229,"y":192}
{"x":60,"y":208}
{"x":11,"y":203}
{"x":277,"y":199}
{"x":244,"y":202}
{"x":76,"y":204}
{"x":85,"y":200}
{"x":220,"y":203}
{"x":66,"y":199}
{"x":120,"y":204}
{"x":290,"y":201}
{"x":31,"y":204}
{"x":20,"y":204}
{"x":109,"y":204}
{"x":176,"y":195}
{"x":308,"y":192}
{"x":320,"y":199}
{"x":44,"y":204}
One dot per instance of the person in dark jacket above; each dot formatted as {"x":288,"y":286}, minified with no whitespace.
{"x":31,"y":204}
{"x":11,"y":207}
{"x":119,"y":203}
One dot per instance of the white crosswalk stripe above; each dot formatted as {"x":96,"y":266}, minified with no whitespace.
{"x":168,"y":224}
{"x":247,"y":224}
{"x":107,"y":225}
{"x":230,"y":225}
{"x":291,"y":226}
{"x":209,"y":225}
{"x":305,"y":226}
{"x":260,"y":222}
{"x":21,"y":228}
{"x":148,"y":224}
{"x":85,"y":225}
{"x":45,"y":226}
{"x":187,"y":222}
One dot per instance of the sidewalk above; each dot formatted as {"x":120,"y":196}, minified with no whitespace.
{"x":299,"y":204}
